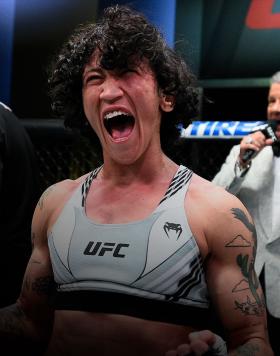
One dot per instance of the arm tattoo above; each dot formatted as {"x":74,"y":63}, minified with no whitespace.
{"x":240,"y":215}
{"x":43,"y":285}
{"x":12,"y":320}
{"x":250,"y":280}
{"x":44,"y":195}
{"x":239,"y":241}
{"x":248,"y":350}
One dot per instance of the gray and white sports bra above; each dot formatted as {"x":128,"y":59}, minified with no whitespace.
{"x":150,"y":268}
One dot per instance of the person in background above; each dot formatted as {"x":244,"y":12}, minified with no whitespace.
{"x":132,"y":257}
{"x":19,"y":192}
{"x":256,"y":182}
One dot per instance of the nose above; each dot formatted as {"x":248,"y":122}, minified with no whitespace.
{"x":111,"y":89}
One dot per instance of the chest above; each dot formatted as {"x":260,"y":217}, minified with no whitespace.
{"x":114,"y":205}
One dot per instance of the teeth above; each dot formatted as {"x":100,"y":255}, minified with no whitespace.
{"x":109,"y":115}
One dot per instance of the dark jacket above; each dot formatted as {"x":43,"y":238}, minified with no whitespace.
{"x":19,"y":190}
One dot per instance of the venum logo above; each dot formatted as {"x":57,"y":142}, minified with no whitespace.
{"x":169,"y":228}
{"x":100,"y":248}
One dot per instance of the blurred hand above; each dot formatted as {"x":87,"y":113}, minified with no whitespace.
{"x":201,"y":343}
{"x":255,"y":141}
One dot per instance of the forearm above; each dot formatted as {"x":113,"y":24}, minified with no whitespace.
{"x":17,"y":333}
{"x":254,"y":347}
{"x":229,"y":179}
{"x":228,"y":176}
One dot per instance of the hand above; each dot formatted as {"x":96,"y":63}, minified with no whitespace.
{"x":255,"y":141}
{"x":201,"y":343}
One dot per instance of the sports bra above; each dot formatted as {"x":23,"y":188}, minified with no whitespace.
{"x":151,"y":268}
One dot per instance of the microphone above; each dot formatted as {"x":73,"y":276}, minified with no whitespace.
{"x":268,"y":129}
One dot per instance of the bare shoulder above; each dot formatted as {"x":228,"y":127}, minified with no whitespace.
{"x":211,"y":196}
{"x":214,"y":214}
{"x":59,"y":192}
{"x":52,"y":202}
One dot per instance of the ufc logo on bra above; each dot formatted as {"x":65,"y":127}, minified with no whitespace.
{"x":100,"y":248}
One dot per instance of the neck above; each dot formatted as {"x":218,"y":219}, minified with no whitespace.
{"x":143,"y":170}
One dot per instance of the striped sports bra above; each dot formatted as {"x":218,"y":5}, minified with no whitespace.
{"x":150,"y":268}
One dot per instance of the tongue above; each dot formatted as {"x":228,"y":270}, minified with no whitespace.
{"x":121,"y":131}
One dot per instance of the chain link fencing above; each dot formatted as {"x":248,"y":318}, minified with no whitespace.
{"x":63,"y":154}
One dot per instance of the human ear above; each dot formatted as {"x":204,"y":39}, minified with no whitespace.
{"x":167,"y":102}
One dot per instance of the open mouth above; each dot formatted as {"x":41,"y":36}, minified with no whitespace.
{"x":119,"y":124}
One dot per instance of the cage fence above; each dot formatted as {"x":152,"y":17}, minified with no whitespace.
{"x":63,"y":154}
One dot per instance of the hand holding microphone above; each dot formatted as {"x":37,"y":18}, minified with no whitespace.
{"x":260,"y":137}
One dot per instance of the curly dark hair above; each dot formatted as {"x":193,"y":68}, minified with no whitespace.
{"x":120,"y":36}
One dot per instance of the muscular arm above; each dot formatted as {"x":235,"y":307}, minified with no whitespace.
{"x":27,"y":324}
{"x":233,"y":284}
